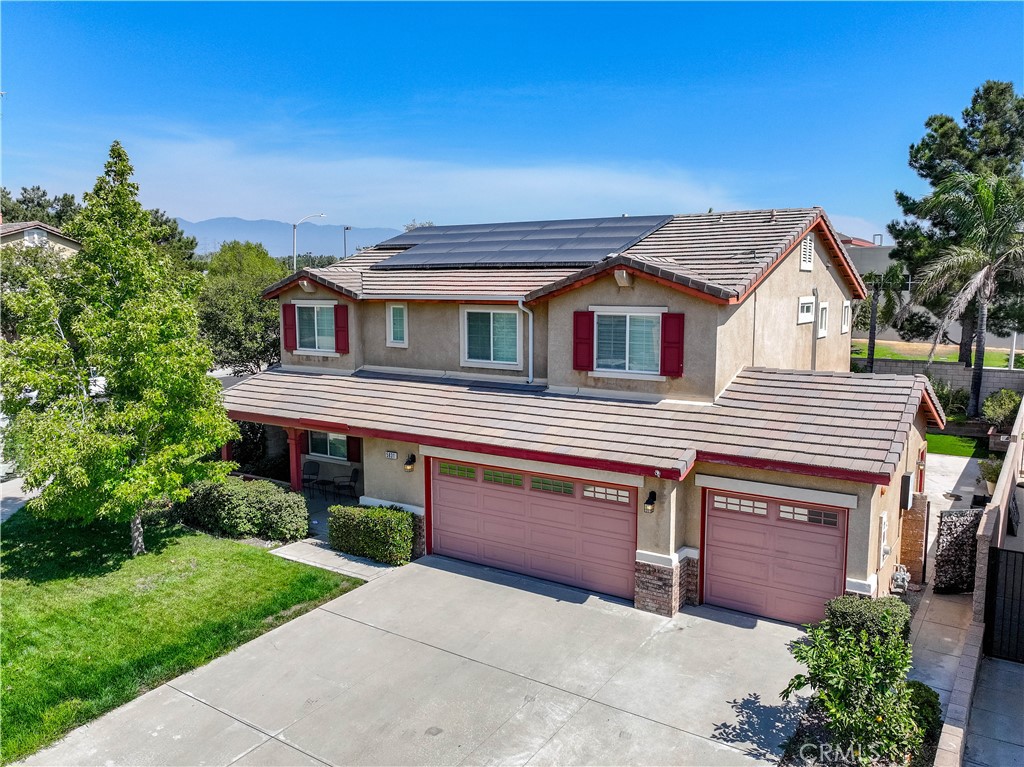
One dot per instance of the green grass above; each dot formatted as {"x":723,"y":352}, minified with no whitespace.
{"x":86,"y":627}
{"x":947,"y":444}
{"x":859,"y":350}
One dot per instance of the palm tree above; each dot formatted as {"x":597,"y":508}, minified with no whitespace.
{"x":987,"y":213}
{"x":886,"y":304}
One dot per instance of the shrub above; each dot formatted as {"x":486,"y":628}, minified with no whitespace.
{"x":238,"y":509}
{"x":860,"y":684}
{"x":1000,"y":409}
{"x":876,"y":616}
{"x":991,"y":468}
{"x":381,"y":533}
{"x":928,"y":715}
{"x":953,"y":401}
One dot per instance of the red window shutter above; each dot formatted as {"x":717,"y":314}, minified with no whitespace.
{"x":672,"y":344}
{"x":355,"y":449}
{"x":341,"y":328}
{"x":582,"y":340}
{"x":288,"y":325}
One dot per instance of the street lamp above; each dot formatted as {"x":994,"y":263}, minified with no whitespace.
{"x":344,"y":235}
{"x":295,"y":238}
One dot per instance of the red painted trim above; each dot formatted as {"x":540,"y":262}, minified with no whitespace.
{"x":933,"y":411}
{"x":703,"y":544}
{"x":844,"y":263}
{"x":295,"y":280}
{"x":294,"y":460}
{"x":428,"y":505}
{"x":795,"y":468}
{"x":317,"y":425}
{"x":227,"y":451}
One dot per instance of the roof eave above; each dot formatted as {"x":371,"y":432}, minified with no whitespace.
{"x":305,"y":274}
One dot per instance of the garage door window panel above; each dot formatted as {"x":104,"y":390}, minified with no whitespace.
{"x":612,"y":494}
{"x":810,"y":516}
{"x":743,"y":505}
{"x":457,"y":470}
{"x":545,"y":485}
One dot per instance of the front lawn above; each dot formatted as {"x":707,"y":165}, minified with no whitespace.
{"x":87,"y":628}
{"x":947,"y":444}
{"x":899,"y":350}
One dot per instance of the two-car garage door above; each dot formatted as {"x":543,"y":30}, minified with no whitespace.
{"x":561,"y":529}
{"x":780,"y":559}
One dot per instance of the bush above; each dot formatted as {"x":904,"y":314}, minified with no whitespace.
{"x":1000,"y":409}
{"x":953,"y":401}
{"x":238,"y":509}
{"x":990,"y":469}
{"x":381,"y":533}
{"x":876,"y":616}
{"x":860,"y":684}
{"x":928,"y":715}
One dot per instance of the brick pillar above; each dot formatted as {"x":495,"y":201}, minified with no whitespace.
{"x":419,"y":536}
{"x":914,"y":537}
{"x":295,"y":458}
{"x":688,"y":575}
{"x":657,"y":588}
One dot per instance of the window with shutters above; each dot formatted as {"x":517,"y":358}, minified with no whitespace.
{"x":627,"y":340}
{"x":314,"y":326}
{"x":397,"y":326}
{"x":490,"y":337}
{"x":807,"y":254}
{"x":328,"y":445}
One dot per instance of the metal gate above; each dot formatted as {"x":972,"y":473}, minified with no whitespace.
{"x":1004,"y":608}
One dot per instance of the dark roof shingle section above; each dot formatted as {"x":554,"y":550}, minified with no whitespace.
{"x":839,"y":422}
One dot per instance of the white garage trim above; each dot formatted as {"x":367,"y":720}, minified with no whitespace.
{"x":868,"y":588}
{"x":785,"y":492}
{"x":534,"y":467}
{"x":668,"y":560}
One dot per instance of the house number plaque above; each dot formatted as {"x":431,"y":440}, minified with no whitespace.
{"x":391,"y":455}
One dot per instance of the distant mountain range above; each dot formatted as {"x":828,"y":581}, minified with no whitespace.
{"x":276,"y":236}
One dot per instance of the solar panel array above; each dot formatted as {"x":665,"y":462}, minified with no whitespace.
{"x":574,"y":242}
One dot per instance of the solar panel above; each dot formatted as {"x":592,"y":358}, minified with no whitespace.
{"x":572,"y":242}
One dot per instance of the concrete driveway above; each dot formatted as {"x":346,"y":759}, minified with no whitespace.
{"x":446,"y":663}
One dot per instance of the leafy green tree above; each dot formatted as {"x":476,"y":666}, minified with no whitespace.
{"x":883,"y":306}
{"x":241,"y":327}
{"x":34,"y":204}
{"x":169,"y":237}
{"x":987,"y":212}
{"x":106,"y":383}
{"x":989,"y":139}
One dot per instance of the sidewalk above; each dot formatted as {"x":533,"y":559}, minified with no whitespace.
{"x":318,"y":554}
{"x":995,"y":735}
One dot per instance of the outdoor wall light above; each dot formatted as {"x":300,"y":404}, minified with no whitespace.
{"x":920,"y":465}
{"x":410,"y":462}
{"x":652,"y":498}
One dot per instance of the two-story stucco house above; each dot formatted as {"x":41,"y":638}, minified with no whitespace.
{"x":658,"y":408}
{"x":32,"y":234}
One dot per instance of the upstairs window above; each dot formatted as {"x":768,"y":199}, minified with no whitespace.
{"x":807,"y":254}
{"x":847,"y":312}
{"x":315,"y":327}
{"x":328,"y":445}
{"x":490,"y":337}
{"x":397,"y":325}
{"x":629,"y":343}
{"x":822,"y":320}
{"x":805,"y":311}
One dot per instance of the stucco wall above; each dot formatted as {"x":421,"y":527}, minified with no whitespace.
{"x":333,"y":362}
{"x":763,"y":330}
{"x":698,"y":380}
{"x":385,"y":478}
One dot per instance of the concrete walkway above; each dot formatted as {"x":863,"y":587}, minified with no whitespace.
{"x":317,"y":553}
{"x":995,"y":734}
{"x":447,"y":663}
{"x":12,"y":498}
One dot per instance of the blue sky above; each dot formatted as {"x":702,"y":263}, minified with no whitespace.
{"x":380,"y":113}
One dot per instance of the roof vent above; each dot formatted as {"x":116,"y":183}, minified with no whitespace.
{"x":721,"y":218}
{"x":775,"y":213}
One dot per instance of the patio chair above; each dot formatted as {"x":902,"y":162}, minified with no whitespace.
{"x":347,"y":486}
{"x":310,"y":473}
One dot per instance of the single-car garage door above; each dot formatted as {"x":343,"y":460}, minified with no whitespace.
{"x":557,"y":528}
{"x":779,"y":559}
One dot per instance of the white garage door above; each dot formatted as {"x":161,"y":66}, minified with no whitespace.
{"x":557,"y":528}
{"x":779,"y":559}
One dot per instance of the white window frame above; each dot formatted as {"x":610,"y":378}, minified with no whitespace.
{"x":883,"y":538}
{"x":847,"y":317}
{"x":464,"y":310}
{"x":305,"y":349}
{"x":802,"y":302}
{"x":330,"y":436}
{"x":390,"y":324}
{"x":822,"y":312}
{"x":807,"y":253}
{"x":629,"y":311}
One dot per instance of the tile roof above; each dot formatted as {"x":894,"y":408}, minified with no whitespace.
{"x":833,"y":424}
{"x":14,"y":227}
{"x":721,"y":255}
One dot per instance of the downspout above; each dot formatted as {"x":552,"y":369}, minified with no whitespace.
{"x":529,"y":363}
{"x":814,"y":330}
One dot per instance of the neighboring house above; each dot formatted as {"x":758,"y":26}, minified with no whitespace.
{"x":35,"y":233}
{"x":657,"y":408}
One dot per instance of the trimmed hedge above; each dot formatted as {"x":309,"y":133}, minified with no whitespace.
{"x":381,"y":533}
{"x":924,"y":702}
{"x":237,"y":509}
{"x":857,"y":613}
